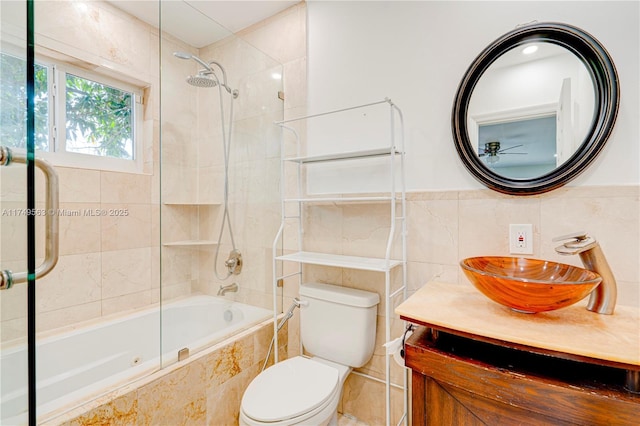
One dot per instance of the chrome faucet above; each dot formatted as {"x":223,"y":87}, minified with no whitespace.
{"x":231,"y":288}
{"x":603,"y":297}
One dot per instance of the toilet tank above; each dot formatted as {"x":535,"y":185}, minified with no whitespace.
{"x":338,"y":323}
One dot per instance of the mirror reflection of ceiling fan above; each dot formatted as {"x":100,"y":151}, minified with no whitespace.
{"x":492,"y":149}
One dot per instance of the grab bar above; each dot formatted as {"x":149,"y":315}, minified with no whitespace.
{"x":8,"y":278}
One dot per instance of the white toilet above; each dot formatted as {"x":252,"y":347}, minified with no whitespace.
{"x":338,"y":327}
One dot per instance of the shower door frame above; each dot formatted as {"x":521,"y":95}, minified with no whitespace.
{"x":31,"y":219}
{"x":29,"y":160}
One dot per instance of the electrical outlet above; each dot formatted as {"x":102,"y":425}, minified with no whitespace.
{"x":521,"y":238}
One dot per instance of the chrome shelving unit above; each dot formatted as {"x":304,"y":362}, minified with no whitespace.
{"x":395,"y":197}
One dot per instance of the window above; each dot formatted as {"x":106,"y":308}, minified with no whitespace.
{"x":98,"y":118}
{"x":83,"y":119}
{"x":13,"y":99}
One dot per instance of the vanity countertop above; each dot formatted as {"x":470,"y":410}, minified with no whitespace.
{"x":572,"y":332}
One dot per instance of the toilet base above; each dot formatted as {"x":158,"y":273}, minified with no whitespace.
{"x":333,"y":421}
{"x":326,"y":416}
{"x":330,"y":421}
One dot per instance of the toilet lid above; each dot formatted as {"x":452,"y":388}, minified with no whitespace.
{"x":289,"y":389}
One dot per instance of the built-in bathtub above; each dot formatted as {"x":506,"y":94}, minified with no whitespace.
{"x":81,"y":364}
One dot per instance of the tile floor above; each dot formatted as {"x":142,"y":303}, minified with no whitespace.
{"x":349,"y":421}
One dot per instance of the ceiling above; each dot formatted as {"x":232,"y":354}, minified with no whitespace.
{"x":202,"y":22}
{"x":522,"y":142}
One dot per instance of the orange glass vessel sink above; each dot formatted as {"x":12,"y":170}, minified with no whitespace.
{"x":529,"y":285}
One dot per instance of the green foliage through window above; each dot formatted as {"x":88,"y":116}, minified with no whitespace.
{"x":13,"y":103}
{"x":99,"y":119}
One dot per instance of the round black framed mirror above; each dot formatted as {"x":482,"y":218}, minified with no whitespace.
{"x":527,"y":124}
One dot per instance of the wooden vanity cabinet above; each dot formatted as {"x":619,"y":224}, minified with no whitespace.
{"x":458,"y":380}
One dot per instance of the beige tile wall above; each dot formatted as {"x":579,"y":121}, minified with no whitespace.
{"x":253,"y":170}
{"x":472,"y":223}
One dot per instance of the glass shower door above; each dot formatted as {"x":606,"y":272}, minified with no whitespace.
{"x":13,"y":300}
{"x":14,"y":218}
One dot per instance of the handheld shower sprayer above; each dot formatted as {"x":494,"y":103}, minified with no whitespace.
{"x":206,"y":77}
{"x":186,"y":55}
{"x":295,"y":304}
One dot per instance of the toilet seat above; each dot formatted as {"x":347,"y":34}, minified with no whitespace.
{"x":282,"y":391}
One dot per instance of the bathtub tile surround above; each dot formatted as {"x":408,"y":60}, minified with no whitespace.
{"x":205,"y":389}
{"x":104,"y":354}
{"x":176,"y":399}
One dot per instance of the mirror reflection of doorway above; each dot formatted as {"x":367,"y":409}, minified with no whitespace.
{"x":527,"y":146}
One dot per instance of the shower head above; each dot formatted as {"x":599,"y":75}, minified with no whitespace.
{"x":186,"y":55}
{"x":206,"y":77}
{"x":202,"y":80}
{"x":182,"y":55}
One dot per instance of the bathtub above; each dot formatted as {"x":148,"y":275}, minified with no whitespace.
{"x":83,"y":363}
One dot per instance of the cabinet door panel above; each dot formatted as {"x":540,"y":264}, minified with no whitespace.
{"x":452,"y":389}
{"x":490,"y":412}
{"x":443,"y":408}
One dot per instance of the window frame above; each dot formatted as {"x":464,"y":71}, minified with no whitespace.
{"x":57,"y":154}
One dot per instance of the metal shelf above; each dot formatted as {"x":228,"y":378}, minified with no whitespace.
{"x":395,"y":197}
{"x":341,"y":261}
{"x":353,"y":155}
{"x":363,"y":199}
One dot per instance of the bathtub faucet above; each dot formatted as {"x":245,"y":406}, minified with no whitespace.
{"x":603,"y":298}
{"x":234,"y":262}
{"x":231,"y":288}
